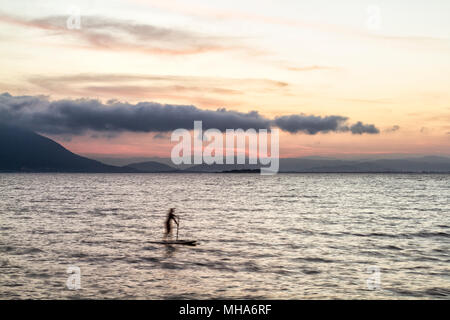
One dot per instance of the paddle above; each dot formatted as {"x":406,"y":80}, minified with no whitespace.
{"x":178,"y":224}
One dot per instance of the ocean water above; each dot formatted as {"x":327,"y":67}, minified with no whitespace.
{"x":289,"y":236}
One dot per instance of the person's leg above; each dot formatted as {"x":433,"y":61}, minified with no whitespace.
{"x":168,"y":231}
{"x":166,"y":234}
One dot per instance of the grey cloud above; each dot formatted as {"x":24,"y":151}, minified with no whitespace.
{"x":107,"y":135}
{"x":161,"y":135}
{"x":315,"y":124}
{"x":74,"y":117}
{"x":360,"y":128}
{"x":309,"y":124}
{"x":77,"y":116}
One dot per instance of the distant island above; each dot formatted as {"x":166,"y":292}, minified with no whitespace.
{"x":258,"y":171}
{"x":22,"y":150}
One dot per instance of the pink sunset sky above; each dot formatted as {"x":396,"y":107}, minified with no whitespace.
{"x":381,"y":63}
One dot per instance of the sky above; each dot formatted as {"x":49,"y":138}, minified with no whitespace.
{"x":114,"y":77}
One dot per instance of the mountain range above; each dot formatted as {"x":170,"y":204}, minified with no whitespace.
{"x":22,"y":150}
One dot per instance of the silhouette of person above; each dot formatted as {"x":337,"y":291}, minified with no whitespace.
{"x":170,"y":216}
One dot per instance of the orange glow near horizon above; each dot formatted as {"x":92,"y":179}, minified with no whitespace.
{"x":291,"y":145}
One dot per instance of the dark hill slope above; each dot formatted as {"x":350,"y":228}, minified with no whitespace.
{"x":25,"y":151}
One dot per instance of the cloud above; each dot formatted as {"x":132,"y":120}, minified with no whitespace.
{"x":360,"y":128}
{"x":392,"y":129}
{"x":106,"y":33}
{"x":141,"y":83}
{"x":118,"y":78}
{"x":314,"y":124}
{"x":161,"y":135}
{"x":202,"y":91}
{"x":75,"y":117}
{"x":309,"y":124}
{"x":321,"y":27}
{"x":107,"y":135}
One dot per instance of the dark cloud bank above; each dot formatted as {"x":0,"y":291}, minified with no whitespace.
{"x":74,"y":117}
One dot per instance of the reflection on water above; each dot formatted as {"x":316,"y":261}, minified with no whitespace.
{"x":289,"y":236}
{"x":170,"y":250}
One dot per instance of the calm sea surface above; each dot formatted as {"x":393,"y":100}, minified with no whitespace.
{"x":289,"y":236}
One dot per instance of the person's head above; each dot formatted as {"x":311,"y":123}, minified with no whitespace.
{"x":172,"y":210}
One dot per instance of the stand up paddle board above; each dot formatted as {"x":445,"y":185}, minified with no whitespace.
{"x":181,"y":242}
